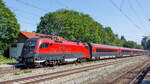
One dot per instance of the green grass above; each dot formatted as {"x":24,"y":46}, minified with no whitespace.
{"x":4,"y":60}
{"x":1,"y":75}
{"x":51,"y":68}
{"x":27,"y":71}
{"x":17,"y":73}
{"x":76,"y":63}
{"x":20,"y":72}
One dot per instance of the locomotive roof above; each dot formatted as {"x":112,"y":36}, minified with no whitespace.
{"x":65,"y":42}
{"x":74,"y":43}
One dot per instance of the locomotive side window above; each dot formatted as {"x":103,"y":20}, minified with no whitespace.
{"x":44,"y":45}
{"x":105,"y":50}
{"x":51,"y":44}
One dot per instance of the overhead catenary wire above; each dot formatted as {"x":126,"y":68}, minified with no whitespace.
{"x":26,"y":19}
{"x":20,"y":16}
{"x":137,"y":16}
{"x":33,"y":6}
{"x":60,"y":3}
{"x":23,"y":11}
{"x":124,"y":14}
{"x":121,"y":4}
{"x":141,"y":7}
{"x":114,"y":4}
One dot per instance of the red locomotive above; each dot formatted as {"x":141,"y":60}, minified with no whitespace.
{"x":44,"y":51}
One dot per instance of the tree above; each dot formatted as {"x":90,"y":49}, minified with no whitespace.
{"x":9,"y":27}
{"x":71,"y":25}
{"x":132,"y":44}
{"x":122,"y":41}
{"x":111,"y":38}
{"x":146,"y":42}
{"x":139,"y":46}
{"x":129,"y":44}
{"x":123,"y":38}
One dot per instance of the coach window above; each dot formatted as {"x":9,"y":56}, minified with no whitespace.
{"x":44,"y":45}
{"x":105,"y":50}
{"x":126,"y":51}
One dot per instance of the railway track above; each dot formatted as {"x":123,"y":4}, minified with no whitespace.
{"x":4,"y":70}
{"x":133,"y":75}
{"x":54,"y":75}
{"x":11,"y":70}
{"x":138,"y":79}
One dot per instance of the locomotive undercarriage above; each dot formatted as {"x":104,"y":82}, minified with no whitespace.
{"x":34,"y":61}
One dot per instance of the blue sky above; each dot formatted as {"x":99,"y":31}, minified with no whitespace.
{"x":28,"y":13}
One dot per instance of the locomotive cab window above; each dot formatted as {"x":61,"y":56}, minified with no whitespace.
{"x":29,"y":45}
{"x":44,"y":45}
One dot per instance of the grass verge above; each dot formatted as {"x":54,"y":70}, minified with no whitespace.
{"x":1,"y":75}
{"x":51,"y":68}
{"x":4,"y":60}
{"x":17,"y":73}
{"x":27,"y":71}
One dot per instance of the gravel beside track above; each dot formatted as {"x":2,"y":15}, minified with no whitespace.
{"x":48,"y":76}
{"x":132,"y":74}
{"x":8,"y":68}
{"x":59,"y":73}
